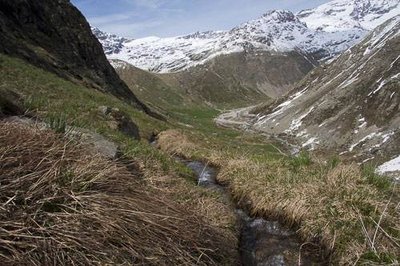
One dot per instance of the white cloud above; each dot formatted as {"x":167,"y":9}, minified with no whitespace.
{"x":146,"y":3}
{"x":131,"y":29}
{"x":100,"y":20}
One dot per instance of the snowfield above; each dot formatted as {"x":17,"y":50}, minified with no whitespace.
{"x":391,"y":167}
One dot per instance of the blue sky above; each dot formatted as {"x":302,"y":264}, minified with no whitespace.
{"x":163,"y":18}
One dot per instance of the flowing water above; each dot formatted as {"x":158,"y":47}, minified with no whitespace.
{"x":262,"y":242}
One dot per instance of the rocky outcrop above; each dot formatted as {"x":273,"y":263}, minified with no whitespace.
{"x":93,"y":141}
{"x":10,"y":104}
{"x":120,"y":121}
{"x":54,"y":35}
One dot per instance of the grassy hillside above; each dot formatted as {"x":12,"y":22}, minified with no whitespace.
{"x":50,"y":96}
{"x":151,"y":89}
{"x":348,"y":211}
{"x":242,"y":79}
{"x":143,"y":173}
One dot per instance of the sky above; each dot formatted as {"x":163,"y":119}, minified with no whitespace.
{"x":166,"y":18}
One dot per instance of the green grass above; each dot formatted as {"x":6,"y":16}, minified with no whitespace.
{"x":48,"y":95}
{"x":198,"y":123}
{"x":61,"y":103}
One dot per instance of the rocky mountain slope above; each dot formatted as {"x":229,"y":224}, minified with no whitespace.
{"x":322,"y":32}
{"x":350,"y":105}
{"x":55,"y":36}
{"x":241,"y":79}
{"x":227,"y":81}
{"x":112,"y":44}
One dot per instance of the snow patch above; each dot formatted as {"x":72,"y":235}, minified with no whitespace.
{"x":373,"y":135}
{"x":296,"y":123}
{"x":390,"y":167}
{"x":383,"y":83}
{"x":312,"y":142}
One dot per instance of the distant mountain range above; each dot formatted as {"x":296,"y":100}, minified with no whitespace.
{"x":323,"y":33}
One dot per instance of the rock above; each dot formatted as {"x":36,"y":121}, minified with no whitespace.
{"x":26,"y":121}
{"x":104,"y":110}
{"x":10,"y":103}
{"x":99,"y":143}
{"x":119,"y":120}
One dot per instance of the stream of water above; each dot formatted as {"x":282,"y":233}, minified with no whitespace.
{"x":262,"y":242}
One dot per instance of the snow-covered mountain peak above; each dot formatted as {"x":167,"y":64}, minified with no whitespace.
{"x":344,"y":15}
{"x":280,"y":16}
{"x":273,"y":23}
{"x":112,"y":44}
{"x":322,"y":32}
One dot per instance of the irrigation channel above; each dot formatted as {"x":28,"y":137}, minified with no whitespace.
{"x":262,"y":242}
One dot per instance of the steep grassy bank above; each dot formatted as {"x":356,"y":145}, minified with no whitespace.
{"x":350,"y":212}
{"x":130,"y":204}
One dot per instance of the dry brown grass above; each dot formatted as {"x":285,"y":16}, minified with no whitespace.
{"x":175,"y":142}
{"x":334,"y":206}
{"x":61,"y":205}
{"x":329,"y":207}
{"x":209,"y":204}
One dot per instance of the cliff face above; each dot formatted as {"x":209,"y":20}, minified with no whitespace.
{"x":54,"y":35}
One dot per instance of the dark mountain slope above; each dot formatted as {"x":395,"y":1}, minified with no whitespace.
{"x":54,"y":35}
{"x":151,"y":89}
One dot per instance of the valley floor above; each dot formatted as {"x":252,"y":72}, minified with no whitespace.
{"x":70,"y":206}
{"x":348,"y":211}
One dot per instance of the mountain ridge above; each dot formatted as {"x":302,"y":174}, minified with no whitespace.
{"x":276,"y":31}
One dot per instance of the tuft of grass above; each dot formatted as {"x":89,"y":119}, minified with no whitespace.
{"x":333,"y":161}
{"x":300,"y":160}
{"x":381,"y":182}
{"x":57,"y":122}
